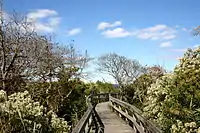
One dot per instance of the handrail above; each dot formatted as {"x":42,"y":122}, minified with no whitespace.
{"x":128,"y":112}
{"x":90,"y":120}
{"x":80,"y":127}
{"x":133,"y":115}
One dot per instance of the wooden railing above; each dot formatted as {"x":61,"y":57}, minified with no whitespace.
{"x":91,"y":122}
{"x":103,"y":97}
{"x":133,"y":116}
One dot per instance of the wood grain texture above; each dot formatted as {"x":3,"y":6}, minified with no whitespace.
{"x":112,"y":122}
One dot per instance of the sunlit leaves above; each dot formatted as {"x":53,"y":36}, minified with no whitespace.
{"x":176,"y":96}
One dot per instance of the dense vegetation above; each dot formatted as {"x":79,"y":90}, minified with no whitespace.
{"x":40,"y":84}
{"x":173,"y":101}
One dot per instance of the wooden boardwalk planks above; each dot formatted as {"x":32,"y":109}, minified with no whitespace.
{"x":112,"y":122}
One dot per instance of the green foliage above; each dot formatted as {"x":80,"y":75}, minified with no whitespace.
{"x":136,"y":92}
{"x":180,"y":127}
{"x":176,"y":96}
{"x":65,"y":98}
{"x":106,"y":87}
{"x":73,"y":106}
{"x":100,"y":87}
{"x":19,"y":113}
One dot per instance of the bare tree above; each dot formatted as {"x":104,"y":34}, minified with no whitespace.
{"x":26,"y":55}
{"x":196,"y":31}
{"x":123,"y":70}
{"x":22,"y":51}
{"x":76,"y":62}
{"x":13,"y":44}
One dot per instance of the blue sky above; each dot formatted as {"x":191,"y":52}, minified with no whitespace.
{"x":151,"y":31}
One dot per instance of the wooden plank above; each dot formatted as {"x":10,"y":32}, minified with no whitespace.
{"x":80,"y":127}
{"x":126,"y":105}
{"x":130,"y":118}
{"x":116,"y":125}
{"x":138,"y":114}
{"x":112,"y":122}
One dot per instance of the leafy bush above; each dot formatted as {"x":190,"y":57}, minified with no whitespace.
{"x":136,"y":92}
{"x":66,"y":98}
{"x":180,"y":127}
{"x":19,"y":113}
{"x":176,"y":96}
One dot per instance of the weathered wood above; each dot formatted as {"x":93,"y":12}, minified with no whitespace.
{"x":129,"y":118}
{"x":100,"y":123}
{"x":112,"y":122}
{"x":139,"y":122}
{"x":85,"y":125}
{"x":80,"y":127}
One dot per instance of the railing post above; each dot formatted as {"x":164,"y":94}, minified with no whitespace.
{"x":120,"y":109}
{"x":89,"y":119}
{"x":89,"y":124}
{"x":86,"y":127}
{"x":95,"y":122}
{"x":127,"y":114}
{"x":98,"y":97}
{"x":109,"y":99}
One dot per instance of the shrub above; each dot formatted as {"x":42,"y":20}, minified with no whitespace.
{"x":176,"y":96}
{"x":19,"y":113}
{"x":180,"y":127}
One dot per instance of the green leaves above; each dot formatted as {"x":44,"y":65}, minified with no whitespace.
{"x":21,"y":114}
{"x":175,"y":96}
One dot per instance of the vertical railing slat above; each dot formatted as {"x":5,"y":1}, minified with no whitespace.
{"x":91,"y":120}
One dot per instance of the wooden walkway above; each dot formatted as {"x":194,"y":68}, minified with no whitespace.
{"x":113,"y":123}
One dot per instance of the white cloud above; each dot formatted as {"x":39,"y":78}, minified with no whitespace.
{"x":41,"y":13}
{"x":196,"y":46}
{"x":116,"y":33}
{"x":169,"y":57}
{"x":44,"y":20}
{"x":104,"y":25}
{"x":74,"y":31}
{"x":180,"y":50}
{"x":42,"y":27}
{"x":54,"y":21}
{"x":185,"y":49}
{"x":5,"y":15}
{"x":158,"y":32}
{"x":166,"y":44}
{"x":181,"y":28}
{"x":185,"y":29}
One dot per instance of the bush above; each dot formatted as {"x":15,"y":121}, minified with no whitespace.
{"x":136,"y":92}
{"x":19,"y":113}
{"x":65,"y":98}
{"x":180,"y":127}
{"x":176,"y":96}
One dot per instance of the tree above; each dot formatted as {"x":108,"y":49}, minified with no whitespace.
{"x":50,"y":73}
{"x":75,"y":62}
{"x":136,"y":92}
{"x":123,"y":70}
{"x":196,"y":31}
{"x":21,"y":49}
